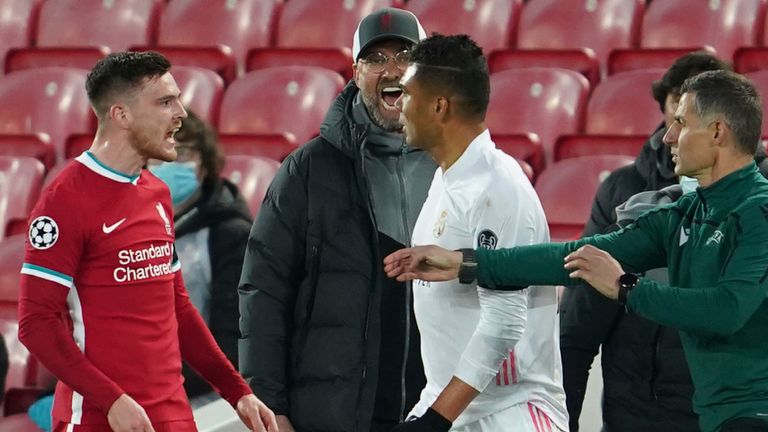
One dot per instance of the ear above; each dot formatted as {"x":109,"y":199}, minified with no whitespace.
{"x":441,"y":107}
{"x":356,"y":74}
{"x":120,"y":114}
{"x":717,"y":132}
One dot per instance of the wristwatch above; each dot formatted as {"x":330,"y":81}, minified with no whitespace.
{"x":468,"y":268}
{"x":627,"y":282}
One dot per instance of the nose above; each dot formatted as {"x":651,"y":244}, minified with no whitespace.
{"x":182,"y":112}
{"x":391,"y":70}
{"x":670,"y":137}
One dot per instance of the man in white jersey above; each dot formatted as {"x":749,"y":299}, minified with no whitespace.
{"x":491,"y":357}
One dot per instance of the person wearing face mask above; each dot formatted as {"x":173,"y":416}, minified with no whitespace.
{"x":212,"y":223}
{"x":647,"y":385}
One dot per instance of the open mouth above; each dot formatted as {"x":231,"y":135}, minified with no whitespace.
{"x":169,"y":136}
{"x":390,"y":95}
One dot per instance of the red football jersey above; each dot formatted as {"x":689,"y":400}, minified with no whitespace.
{"x":107,"y":240}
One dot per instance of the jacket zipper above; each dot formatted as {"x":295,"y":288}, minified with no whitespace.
{"x":375,"y":241}
{"x":408,"y":285}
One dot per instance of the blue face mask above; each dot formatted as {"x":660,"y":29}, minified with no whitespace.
{"x":689,"y":184}
{"x":181,"y":178}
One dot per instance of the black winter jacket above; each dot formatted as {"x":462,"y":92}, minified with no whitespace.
{"x":224,"y":213}
{"x":646,"y":382}
{"x":311,"y":288}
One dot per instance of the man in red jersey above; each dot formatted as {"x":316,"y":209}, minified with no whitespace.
{"x":102,"y":303}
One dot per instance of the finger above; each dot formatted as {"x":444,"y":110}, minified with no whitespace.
{"x":397,"y":256}
{"x":576,"y":263}
{"x":269,"y":419}
{"x":406,"y":276}
{"x":255,"y":420}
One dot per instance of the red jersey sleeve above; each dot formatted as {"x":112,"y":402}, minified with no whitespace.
{"x":47,"y":318}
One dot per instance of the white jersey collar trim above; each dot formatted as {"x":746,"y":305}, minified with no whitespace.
{"x":89,"y":160}
{"x":464,"y":167}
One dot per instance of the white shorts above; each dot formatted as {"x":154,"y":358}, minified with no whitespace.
{"x":523,"y":417}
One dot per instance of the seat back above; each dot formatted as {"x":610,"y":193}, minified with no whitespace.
{"x":722,"y":24}
{"x":623,"y":104}
{"x":48,"y":100}
{"x":239,"y":25}
{"x":252,"y":175}
{"x":291,"y":99}
{"x":17,"y":24}
{"x":546,"y":101}
{"x":599,"y":25}
{"x":567,"y":188}
{"x":322,"y":24}
{"x":490,"y":23}
{"x":201,"y":91}
{"x":21,"y":179}
{"x":116,"y":24}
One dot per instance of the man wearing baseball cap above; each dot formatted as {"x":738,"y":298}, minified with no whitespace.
{"x":329,"y":343}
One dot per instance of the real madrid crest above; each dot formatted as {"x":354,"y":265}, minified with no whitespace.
{"x":440,"y":224}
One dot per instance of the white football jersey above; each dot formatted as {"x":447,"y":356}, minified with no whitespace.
{"x":503,"y":343}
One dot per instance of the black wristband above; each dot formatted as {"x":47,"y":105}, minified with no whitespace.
{"x":468,"y":268}
{"x":627,"y":282}
{"x":435,"y":422}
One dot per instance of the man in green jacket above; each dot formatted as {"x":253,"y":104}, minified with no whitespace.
{"x":714,"y":242}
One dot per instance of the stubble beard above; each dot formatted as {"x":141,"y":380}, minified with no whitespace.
{"x":373,"y":106}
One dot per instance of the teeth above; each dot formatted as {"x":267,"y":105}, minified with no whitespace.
{"x":390,"y":89}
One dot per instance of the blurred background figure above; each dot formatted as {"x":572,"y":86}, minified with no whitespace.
{"x":212,"y":223}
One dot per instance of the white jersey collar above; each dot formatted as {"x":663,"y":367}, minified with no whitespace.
{"x":89,"y":160}
{"x":464,"y":167}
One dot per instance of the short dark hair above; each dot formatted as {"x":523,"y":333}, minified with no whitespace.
{"x":732,"y":96}
{"x":201,"y":137}
{"x":683,"y":68}
{"x":454,"y":64}
{"x":122,"y":72}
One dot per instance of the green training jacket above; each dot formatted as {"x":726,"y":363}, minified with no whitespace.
{"x":715,"y":244}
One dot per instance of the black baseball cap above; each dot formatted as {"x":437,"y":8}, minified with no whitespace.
{"x":387,"y":23}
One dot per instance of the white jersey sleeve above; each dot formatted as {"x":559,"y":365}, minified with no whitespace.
{"x":501,"y":220}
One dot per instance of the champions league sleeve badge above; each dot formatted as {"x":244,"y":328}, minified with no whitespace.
{"x":487,"y":239}
{"x":43,"y":232}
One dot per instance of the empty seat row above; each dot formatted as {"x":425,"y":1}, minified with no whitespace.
{"x":204,"y":31}
{"x":538,"y":114}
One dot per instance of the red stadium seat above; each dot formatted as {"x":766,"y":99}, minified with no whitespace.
{"x":624,"y":60}
{"x":322,"y":24}
{"x":566,"y":189}
{"x":723,"y":24}
{"x":116,"y":24}
{"x":491,"y":23}
{"x":523,"y":147}
{"x":750,"y":59}
{"x":290,"y":99}
{"x":760,"y":80}
{"x":239,"y":25}
{"x":216,"y":58}
{"x":20,"y":181}
{"x":570,"y":146}
{"x":20,"y":422}
{"x":623,"y":104}
{"x":31,"y":58}
{"x":17,"y":27}
{"x":599,"y":25}
{"x":276,"y":146}
{"x":337,"y":59}
{"x":201,"y":91}
{"x":582,"y":61}
{"x":546,"y":101}
{"x":76,"y":144}
{"x":252,"y":175}
{"x":49,"y":100}
{"x":37,"y":146}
